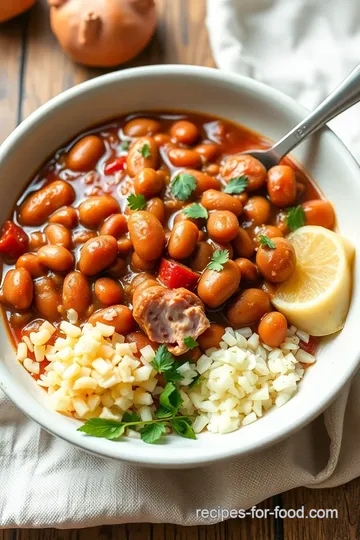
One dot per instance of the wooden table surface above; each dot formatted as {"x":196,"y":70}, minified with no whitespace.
{"x":32,"y":70}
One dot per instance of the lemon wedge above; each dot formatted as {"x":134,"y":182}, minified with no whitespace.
{"x":317,"y":296}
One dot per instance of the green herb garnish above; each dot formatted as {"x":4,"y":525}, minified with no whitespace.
{"x":266,"y":241}
{"x":236,"y":185}
{"x":182,"y":427}
{"x":170,"y":398}
{"x":163,"y":360}
{"x":183,"y":185}
{"x":195,"y":382}
{"x":145,"y":150}
{"x":295,"y":217}
{"x":218,"y":259}
{"x":124,"y":146}
{"x":196,"y":211}
{"x":190,"y":342}
{"x":152,"y":432}
{"x":136,"y":202}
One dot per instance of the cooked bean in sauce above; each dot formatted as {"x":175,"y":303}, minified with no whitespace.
{"x":152,"y":202}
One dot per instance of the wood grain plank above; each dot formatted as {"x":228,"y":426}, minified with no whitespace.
{"x":344,"y":499}
{"x":11,"y":45}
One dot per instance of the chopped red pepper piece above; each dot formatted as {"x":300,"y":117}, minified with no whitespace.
{"x":175,"y":275}
{"x":115,"y":165}
{"x":311,"y":346}
{"x":14,"y":240}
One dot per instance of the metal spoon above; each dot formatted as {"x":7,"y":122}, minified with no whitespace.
{"x":343,"y":97}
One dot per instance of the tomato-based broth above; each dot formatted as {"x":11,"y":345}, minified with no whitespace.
{"x":153,"y":244}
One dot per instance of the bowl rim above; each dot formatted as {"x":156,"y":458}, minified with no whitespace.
{"x":130,"y":454}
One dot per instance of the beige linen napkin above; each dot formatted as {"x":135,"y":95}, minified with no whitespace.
{"x":45,"y":482}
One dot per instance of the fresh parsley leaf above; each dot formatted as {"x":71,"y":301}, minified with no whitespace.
{"x":195,"y":382}
{"x":172,"y":375}
{"x":190,"y":342}
{"x":196,"y":211}
{"x":266,"y":241}
{"x":182,"y":426}
{"x":295,"y":217}
{"x":131,"y":416}
{"x":163,"y":360}
{"x":145,"y":150}
{"x":219,"y":258}
{"x":163,"y":413}
{"x":151,"y":433}
{"x":124,"y":146}
{"x":136,"y":202}
{"x":170,"y":398}
{"x":99,"y":427}
{"x":183,"y":185}
{"x":236,"y":185}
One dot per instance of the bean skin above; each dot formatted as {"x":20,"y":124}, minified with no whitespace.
{"x":184,"y":132}
{"x":183,"y":239}
{"x":214,"y":288}
{"x":97,"y":254}
{"x":124,"y":246}
{"x":182,"y":157}
{"x":36,"y":240}
{"x":201,"y":256}
{"x":140,"y":127}
{"x":85,"y":153}
{"x":40,"y":205}
{"x":203,"y":181}
{"x":66,"y":216}
{"x":83,"y":235}
{"x":156,"y":206}
{"x":140,"y":265}
{"x":76,"y":293}
{"x":248,"y":270}
{"x":257,"y":210}
{"x":209,"y":151}
{"x":267,"y":230}
{"x":136,"y":162}
{"x":222,"y":226}
{"x":244,"y":165}
{"x":47,"y":299}
{"x":319,"y":212}
{"x":57,"y":258}
{"x":58,"y":235}
{"x":281,"y":185}
{"x":18,"y":289}
{"x":115,"y":225}
{"x":243,"y":245}
{"x":31,"y":263}
{"x":211,"y":337}
{"x":272,"y":329}
{"x":147,"y":235}
{"x":97,"y":208}
{"x":108,"y":291}
{"x":149,"y":182}
{"x":276,"y":265}
{"x":117,"y":269}
{"x":118,"y":316}
{"x":247,"y":308}
{"x":216,"y":200}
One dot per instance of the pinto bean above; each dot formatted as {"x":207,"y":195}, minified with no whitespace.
{"x":58,"y":235}
{"x":248,"y":307}
{"x":183,"y":239}
{"x":76,"y":293}
{"x":211,"y":337}
{"x":140,"y":265}
{"x":257,"y":210}
{"x":185,"y":132}
{"x":84,"y":155}
{"x":57,"y":258}
{"x":201,"y":256}
{"x":319,"y":212}
{"x":209,"y":151}
{"x":31,"y":263}
{"x":47,"y":298}
{"x":66,"y":216}
{"x":147,"y":235}
{"x":222,"y":226}
{"x":214,"y":288}
{"x":115,"y":225}
{"x":244,"y":165}
{"x":277,"y":265}
{"x":156,"y":206}
{"x":213,"y":199}
{"x":136,"y":160}
{"x":243,"y":245}
{"x":281,"y":185}
{"x":18,"y":289}
{"x":40,"y":205}
{"x":140,"y":127}
{"x":272,"y":329}
{"x":97,"y":254}
{"x":37,"y":240}
{"x":248,"y":270}
{"x":117,"y":269}
{"x":141,"y":341}
{"x":97,"y":208}
{"x":182,"y":157}
{"x":149,"y":182}
{"x":118,"y":316}
{"x":83,"y":235}
{"x":124,"y":246}
{"x":108,"y":291}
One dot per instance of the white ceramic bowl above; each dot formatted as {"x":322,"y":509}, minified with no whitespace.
{"x":242,"y":100}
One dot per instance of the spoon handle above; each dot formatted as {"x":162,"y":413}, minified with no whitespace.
{"x":343,"y":97}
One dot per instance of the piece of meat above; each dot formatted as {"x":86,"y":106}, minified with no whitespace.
{"x":170,"y":315}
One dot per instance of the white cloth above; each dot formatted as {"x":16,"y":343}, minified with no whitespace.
{"x":304,"y":48}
